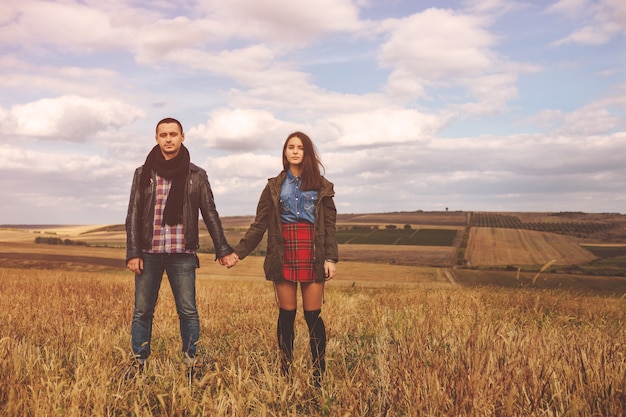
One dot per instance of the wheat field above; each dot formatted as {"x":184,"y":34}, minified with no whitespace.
{"x":498,"y":246}
{"x":392,"y":351}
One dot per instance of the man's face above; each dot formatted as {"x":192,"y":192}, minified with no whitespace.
{"x":169,"y":138}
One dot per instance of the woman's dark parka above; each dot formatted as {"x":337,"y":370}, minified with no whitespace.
{"x":268,"y":219}
{"x":198,"y":197}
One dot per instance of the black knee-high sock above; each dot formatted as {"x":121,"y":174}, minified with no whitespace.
{"x":317,"y":340}
{"x":285,"y":333}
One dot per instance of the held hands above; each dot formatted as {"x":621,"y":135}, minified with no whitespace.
{"x":229,"y":260}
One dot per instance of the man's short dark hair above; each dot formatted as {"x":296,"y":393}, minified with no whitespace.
{"x":170,"y":120}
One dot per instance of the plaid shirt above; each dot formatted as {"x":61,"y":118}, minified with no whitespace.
{"x":166,"y":238}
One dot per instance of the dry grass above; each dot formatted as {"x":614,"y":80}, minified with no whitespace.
{"x":498,"y":246}
{"x":64,"y":351}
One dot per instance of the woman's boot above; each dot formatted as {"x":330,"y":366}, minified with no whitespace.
{"x":285,"y":333}
{"x":317,"y":340}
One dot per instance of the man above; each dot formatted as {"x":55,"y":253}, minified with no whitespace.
{"x":162,"y":235}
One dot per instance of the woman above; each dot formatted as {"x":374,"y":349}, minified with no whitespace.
{"x":298,"y":212}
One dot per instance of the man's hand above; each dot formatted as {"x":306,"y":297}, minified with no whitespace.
{"x":135,"y":265}
{"x":229,"y":260}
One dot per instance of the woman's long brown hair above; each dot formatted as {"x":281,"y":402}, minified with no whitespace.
{"x":311,"y":175}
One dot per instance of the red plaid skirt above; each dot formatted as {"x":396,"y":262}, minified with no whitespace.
{"x":299,"y":241}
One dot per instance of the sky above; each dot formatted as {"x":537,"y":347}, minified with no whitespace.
{"x":478,"y":105}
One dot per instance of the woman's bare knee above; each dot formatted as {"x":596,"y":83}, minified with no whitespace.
{"x":312,"y":295}
{"x":286,"y":295}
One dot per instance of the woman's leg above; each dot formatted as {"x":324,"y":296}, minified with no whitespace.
{"x":312,"y":295}
{"x":312,"y":298}
{"x":287,"y":303}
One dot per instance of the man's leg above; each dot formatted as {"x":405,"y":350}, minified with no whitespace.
{"x":147,"y":286}
{"x":181,"y":272}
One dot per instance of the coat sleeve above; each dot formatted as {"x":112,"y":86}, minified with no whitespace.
{"x":211,"y":218}
{"x":330,"y":221}
{"x":257,"y":229}
{"x":133,"y":220}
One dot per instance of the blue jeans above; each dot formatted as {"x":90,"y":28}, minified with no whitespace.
{"x":181,"y":273}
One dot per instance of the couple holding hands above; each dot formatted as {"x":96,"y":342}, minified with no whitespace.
{"x":296,"y":209}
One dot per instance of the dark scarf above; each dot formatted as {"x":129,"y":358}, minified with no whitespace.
{"x":175,"y":169}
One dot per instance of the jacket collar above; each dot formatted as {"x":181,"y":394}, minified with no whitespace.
{"x":327,"y":189}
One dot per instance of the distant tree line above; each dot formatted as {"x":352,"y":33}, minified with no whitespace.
{"x":45,"y":240}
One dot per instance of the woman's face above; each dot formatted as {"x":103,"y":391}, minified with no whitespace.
{"x":294,"y":151}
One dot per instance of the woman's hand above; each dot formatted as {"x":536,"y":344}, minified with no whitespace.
{"x":330,"y":270}
{"x":229,"y":260}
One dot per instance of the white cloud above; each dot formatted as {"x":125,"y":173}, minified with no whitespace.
{"x":64,"y":167}
{"x":602,"y":20}
{"x":251,"y":28}
{"x":285,"y":23}
{"x":492,"y":6}
{"x":242,"y":129}
{"x":384,"y":127}
{"x":410,"y":107}
{"x":64,"y":25}
{"x":248,"y":165}
{"x":58,"y":80}
{"x":444,"y":50}
{"x":157,"y":40}
{"x":253,"y":66}
{"x":595,"y":118}
{"x":589,"y":121}
{"x":62,"y":187}
{"x":492,"y":93}
{"x":571,"y":8}
{"x":512,"y":167}
{"x":8,"y":11}
{"x":240,"y":178}
{"x":438,"y":44}
{"x":69,"y":118}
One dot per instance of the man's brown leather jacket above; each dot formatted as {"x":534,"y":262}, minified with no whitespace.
{"x":198,"y":197}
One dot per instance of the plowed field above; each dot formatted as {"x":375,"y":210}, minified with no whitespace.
{"x":497,"y":246}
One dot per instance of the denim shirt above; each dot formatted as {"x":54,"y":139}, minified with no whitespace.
{"x":296,"y":205}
